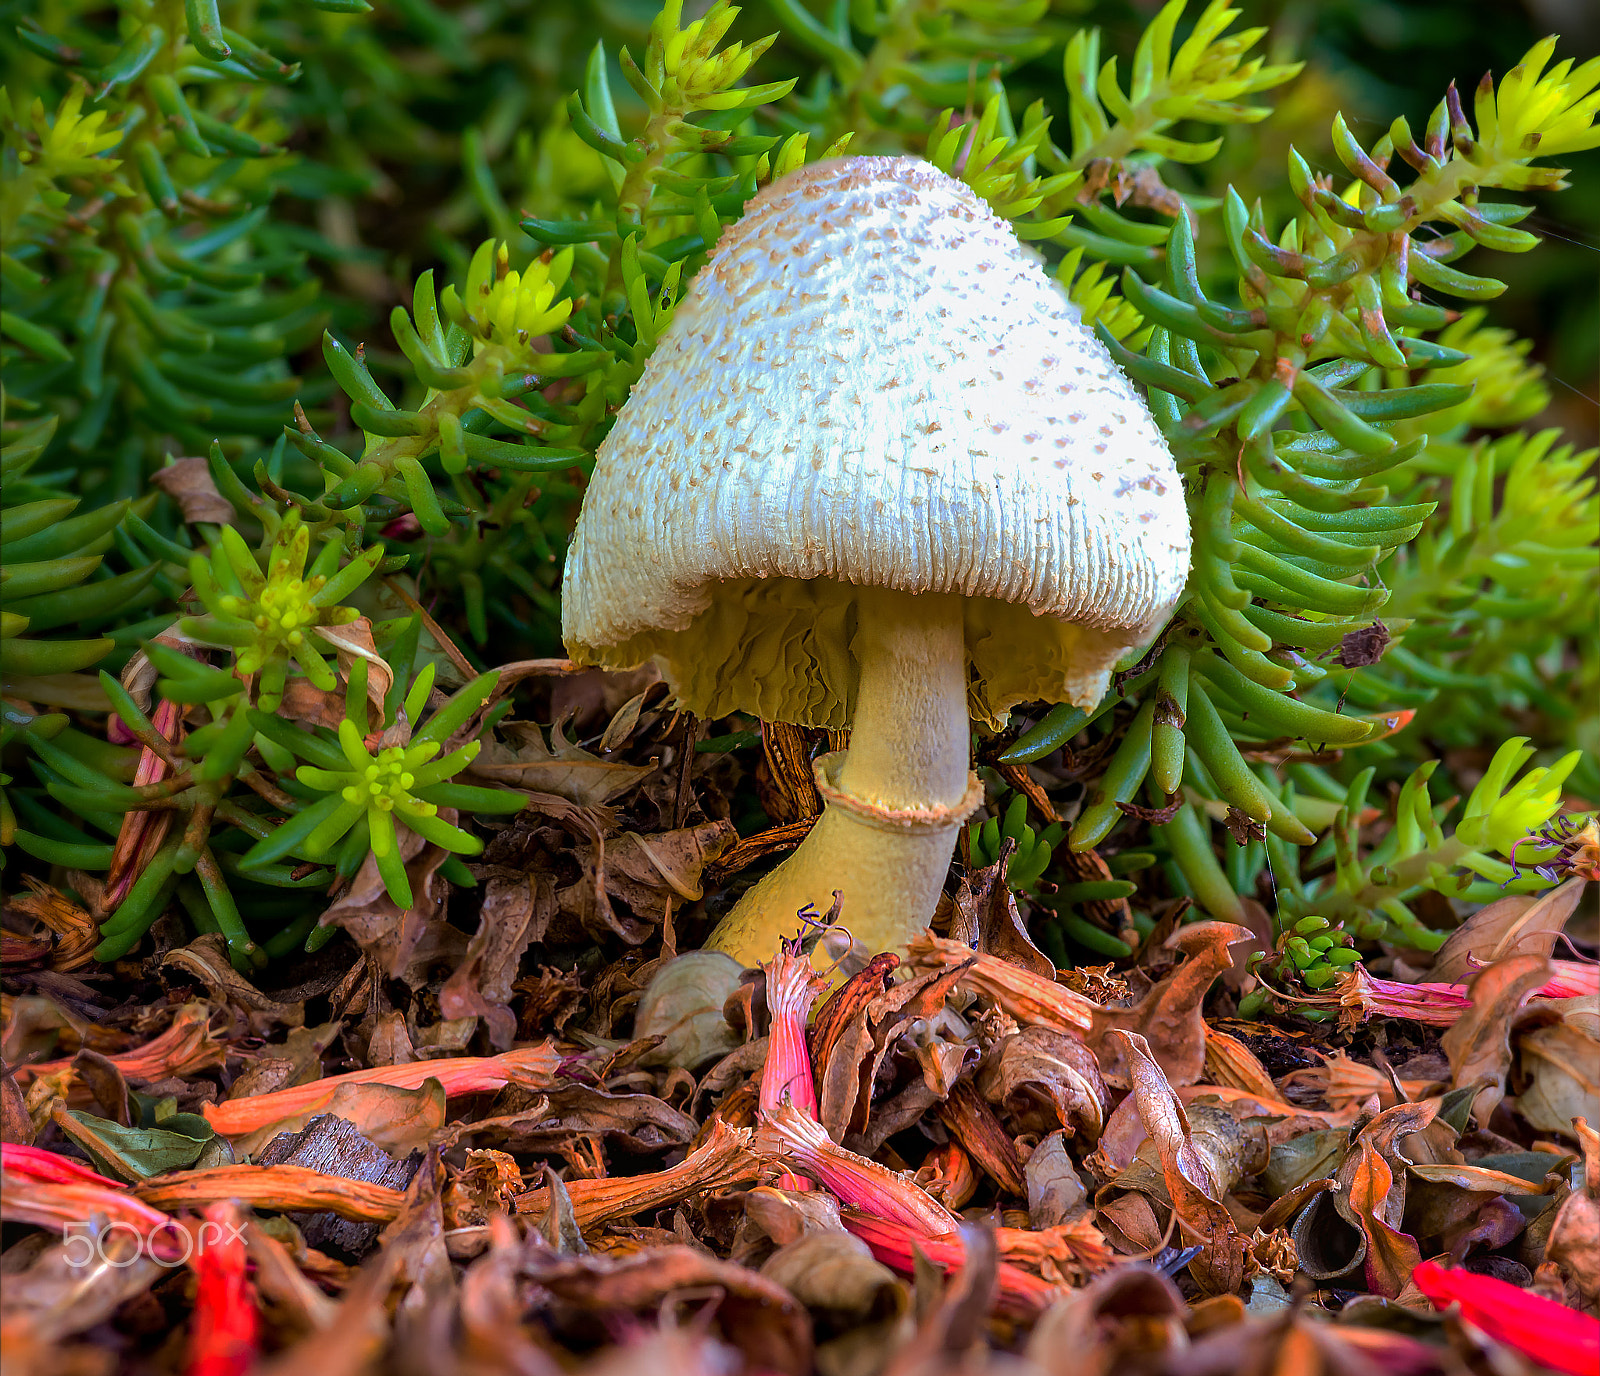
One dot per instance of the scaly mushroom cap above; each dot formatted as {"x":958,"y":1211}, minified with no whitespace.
{"x":873,"y":383}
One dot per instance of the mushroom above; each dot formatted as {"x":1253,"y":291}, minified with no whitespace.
{"x":877,"y":474}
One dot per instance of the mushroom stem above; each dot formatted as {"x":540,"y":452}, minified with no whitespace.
{"x":893,"y":801}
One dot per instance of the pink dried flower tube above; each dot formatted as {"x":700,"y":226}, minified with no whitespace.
{"x":222,"y":1341}
{"x":786,"y":1135}
{"x":1443,"y":1005}
{"x":1551,"y":1334}
{"x":143,"y":833}
{"x":896,"y":1246}
{"x":792,"y":987}
{"x":50,"y":1191}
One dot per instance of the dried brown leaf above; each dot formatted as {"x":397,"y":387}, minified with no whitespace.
{"x":1029,"y":998}
{"x":1046,"y":1079}
{"x":1562,"y":1064}
{"x":1169,"y":1018}
{"x":1517,"y":925}
{"x":1574,"y":1240}
{"x":515,"y":914}
{"x":845,"y":1078}
{"x":188,"y":482}
{"x":836,"y":1277}
{"x":206,"y":959}
{"x":404,"y":942}
{"x":1479,"y":1044}
{"x":974,"y":1124}
{"x":1196,"y":1194}
{"x":754,"y":1314}
{"x":558,"y":766}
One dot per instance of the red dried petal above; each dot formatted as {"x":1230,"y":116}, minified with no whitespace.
{"x":1550,"y":1333}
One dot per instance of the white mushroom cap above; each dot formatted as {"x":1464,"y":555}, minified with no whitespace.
{"x":873,"y":383}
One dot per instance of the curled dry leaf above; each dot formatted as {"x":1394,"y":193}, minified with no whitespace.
{"x":1574,"y":1240}
{"x":1371,"y":1194}
{"x":1169,"y":1018}
{"x":206,"y":959}
{"x":987,"y":1143}
{"x":188,"y":482}
{"x":1119,"y":1321}
{"x":514,"y":915}
{"x":1046,"y":1079}
{"x":683,"y":1006}
{"x":857,"y":1049}
{"x":947,"y":1174}
{"x":304,"y":702}
{"x":1346,"y":1083}
{"x":787,"y":1215}
{"x":836,"y":1277}
{"x":1196,"y":1194}
{"x":645,"y":875}
{"x":1517,"y":925}
{"x":986,"y":908}
{"x":845,"y":1003}
{"x":404,"y":941}
{"x":1056,"y":1193}
{"x":559,"y":766}
{"x":1562,"y":1064}
{"x":639,"y":1123}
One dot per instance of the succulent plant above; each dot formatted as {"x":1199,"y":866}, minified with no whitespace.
{"x":1386,"y":566}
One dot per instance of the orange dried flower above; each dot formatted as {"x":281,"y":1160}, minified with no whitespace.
{"x":532,"y":1067}
{"x":1029,"y":998}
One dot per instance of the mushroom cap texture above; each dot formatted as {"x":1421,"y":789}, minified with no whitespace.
{"x":873,"y":383}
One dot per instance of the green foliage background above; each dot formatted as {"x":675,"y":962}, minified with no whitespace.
{"x":391,"y":270}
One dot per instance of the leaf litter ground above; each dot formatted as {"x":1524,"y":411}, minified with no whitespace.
{"x":455,"y":1142}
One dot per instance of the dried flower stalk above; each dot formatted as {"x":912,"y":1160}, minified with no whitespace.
{"x":274,"y":1187}
{"x":723,"y":1159}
